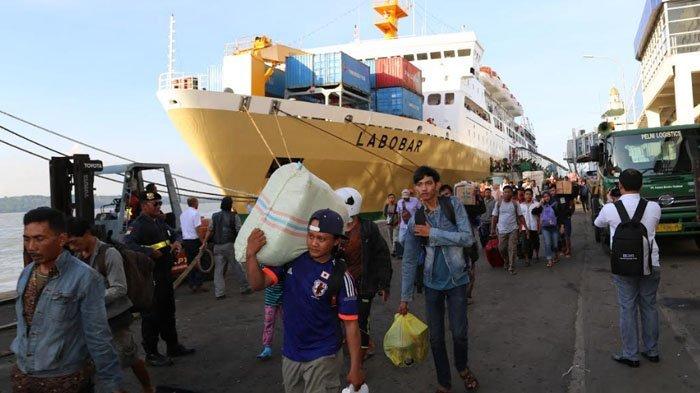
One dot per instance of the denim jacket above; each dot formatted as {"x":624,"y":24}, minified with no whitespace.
{"x":69,"y":325}
{"x":450,"y":238}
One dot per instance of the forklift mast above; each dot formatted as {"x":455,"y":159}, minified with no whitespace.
{"x":71,"y":184}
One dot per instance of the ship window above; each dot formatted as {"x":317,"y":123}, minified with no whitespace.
{"x":434,"y":99}
{"x":464,"y":52}
{"x":449,"y":98}
{"x":449,"y":53}
{"x":435,"y":55}
{"x":409,"y":57}
{"x":422,"y":56}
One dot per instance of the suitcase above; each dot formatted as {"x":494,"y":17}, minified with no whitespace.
{"x":492,"y":253}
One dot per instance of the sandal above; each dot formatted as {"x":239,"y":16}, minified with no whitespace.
{"x":470,"y":382}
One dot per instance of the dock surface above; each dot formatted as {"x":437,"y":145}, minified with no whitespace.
{"x":542,"y":330}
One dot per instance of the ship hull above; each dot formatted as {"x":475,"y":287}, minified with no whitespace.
{"x":233,"y":147}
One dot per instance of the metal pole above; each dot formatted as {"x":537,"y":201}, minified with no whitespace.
{"x":573,"y":159}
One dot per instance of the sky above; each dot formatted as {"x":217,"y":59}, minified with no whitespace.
{"x":89,"y":68}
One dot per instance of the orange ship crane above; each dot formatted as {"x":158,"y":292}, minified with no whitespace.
{"x":391,"y":12}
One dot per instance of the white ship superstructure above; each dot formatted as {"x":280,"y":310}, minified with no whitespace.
{"x":458,"y":91}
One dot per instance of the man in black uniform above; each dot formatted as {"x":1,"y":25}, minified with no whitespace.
{"x":149,"y":234}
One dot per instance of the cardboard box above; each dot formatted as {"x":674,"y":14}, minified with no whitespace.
{"x":464,"y":191}
{"x":564,"y":187}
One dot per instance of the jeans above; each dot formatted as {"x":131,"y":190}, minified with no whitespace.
{"x":195,"y":279}
{"x":551,"y":238}
{"x":223,"y":257}
{"x":456,"y":299}
{"x":638,"y":293}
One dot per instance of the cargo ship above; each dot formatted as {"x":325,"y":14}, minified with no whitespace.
{"x":363,"y":114}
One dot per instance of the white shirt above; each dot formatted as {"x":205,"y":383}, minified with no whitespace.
{"x":189,"y":221}
{"x":609,"y":216}
{"x":507,"y":216}
{"x":530,"y":219}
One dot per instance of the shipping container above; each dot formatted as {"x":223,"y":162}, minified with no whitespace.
{"x":400,"y":101}
{"x":338,"y":68}
{"x":275,"y":85}
{"x":299,"y":71}
{"x":398,"y":72}
{"x":373,"y":101}
{"x":372,"y":74}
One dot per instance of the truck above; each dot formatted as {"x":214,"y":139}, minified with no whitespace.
{"x":669,"y":160}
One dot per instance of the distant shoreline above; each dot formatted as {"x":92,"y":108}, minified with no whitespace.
{"x":24,"y":203}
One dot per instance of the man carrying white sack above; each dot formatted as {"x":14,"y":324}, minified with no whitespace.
{"x":318,"y":294}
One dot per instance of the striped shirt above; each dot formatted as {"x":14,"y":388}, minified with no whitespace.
{"x":273,"y":295}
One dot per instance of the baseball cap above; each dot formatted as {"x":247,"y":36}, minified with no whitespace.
{"x":329,"y":222}
{"x":146,"y":196}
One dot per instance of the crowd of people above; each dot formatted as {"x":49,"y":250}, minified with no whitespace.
{"x":74,"y":311}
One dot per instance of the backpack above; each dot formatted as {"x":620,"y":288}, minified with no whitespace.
{"x":471,"y":252}
{"x":548,"y":217}
{"x":138,"y":268}
{"x":629,"y":243}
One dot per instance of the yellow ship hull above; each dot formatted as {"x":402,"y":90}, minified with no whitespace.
{"x":377,"y":161}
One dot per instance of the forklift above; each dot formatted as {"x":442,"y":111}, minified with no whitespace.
{"x":72,"y":192}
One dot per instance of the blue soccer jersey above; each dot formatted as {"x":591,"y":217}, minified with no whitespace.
{"x":311,"y":322}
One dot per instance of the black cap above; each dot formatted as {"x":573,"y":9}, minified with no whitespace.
{"x":146,"y":196}
{"x":328,"y":222}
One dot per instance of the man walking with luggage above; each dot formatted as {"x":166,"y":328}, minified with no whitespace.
{"x":485,"y":225}
{"x":445,"y":275}
{"x":149,"y":234}
{"x":222,"y":231}
{"x":368,"y":262}
{"x":507,"y":218}
{"x":635,"y":291}
{"x":318,"y":294}
{"x":190,"y":220}
{"x":392,"y":222}
{"x":107,"y":261}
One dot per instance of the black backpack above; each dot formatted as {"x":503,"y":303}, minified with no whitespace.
{"x":629,"y":242}
{"x":138,"y":268}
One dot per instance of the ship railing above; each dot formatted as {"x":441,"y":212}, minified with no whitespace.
{"x":245,"y":42}
{"x":190,"y":81}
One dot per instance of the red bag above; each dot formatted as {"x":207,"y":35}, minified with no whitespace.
{"x":492,"y":253}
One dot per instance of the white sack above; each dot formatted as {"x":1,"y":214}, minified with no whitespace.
{"x":282,"y":211}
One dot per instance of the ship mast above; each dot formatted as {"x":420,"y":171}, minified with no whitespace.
{"x":390,"y":12}
{"x":171,"y":48}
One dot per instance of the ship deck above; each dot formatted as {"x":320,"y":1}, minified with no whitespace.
{"x":525,"y":332}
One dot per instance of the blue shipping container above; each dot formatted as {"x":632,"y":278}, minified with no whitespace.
{"x":401,"y":102}
{"x":299,"y":71}
{"x":372,"y":72}
{"x":373,"y":103}
{"x":331,"y":69}
{"x":275,"y":85}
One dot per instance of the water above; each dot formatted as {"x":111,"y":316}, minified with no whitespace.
{"x":11,"y":244}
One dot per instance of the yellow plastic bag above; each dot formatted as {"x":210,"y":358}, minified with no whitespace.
{"x":406,"y":341}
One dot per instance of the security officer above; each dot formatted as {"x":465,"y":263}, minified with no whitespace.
{"x":149,"y":234}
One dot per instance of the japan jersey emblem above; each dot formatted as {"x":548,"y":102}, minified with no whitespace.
{"x":318,"y":289}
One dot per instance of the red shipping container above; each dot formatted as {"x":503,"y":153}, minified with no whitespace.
{"x":398,"y":72}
